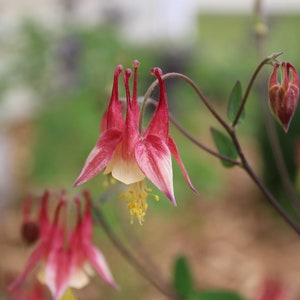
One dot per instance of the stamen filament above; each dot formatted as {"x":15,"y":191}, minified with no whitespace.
{"x":136,"y":195}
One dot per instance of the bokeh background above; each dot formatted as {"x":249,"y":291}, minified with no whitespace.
{"x":56,"y":70}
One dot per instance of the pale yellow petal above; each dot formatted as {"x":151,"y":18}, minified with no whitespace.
{"x":41,"y":275}
{"x":89,"y":270}
{"x":127,"y":172}
{"x":79,"y":279}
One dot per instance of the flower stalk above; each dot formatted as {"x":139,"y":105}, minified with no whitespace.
{"x":244,"y":164}
{"x":268,"y":60}
{"x":154,"y":279}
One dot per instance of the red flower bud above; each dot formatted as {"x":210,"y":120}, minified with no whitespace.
{"x":30,"y":229}
{"x":283,"y":97}
{"x":30,"y":232}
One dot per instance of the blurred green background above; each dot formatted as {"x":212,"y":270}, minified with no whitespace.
{"x":71,"y":101}
{"x":70,"y":73}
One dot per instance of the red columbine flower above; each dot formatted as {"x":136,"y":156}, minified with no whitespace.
{"x":283,"y":97}
{"x":129,"y":155}
{"x":65,"y":256}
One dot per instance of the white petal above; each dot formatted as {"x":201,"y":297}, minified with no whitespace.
{"x":79,"y":279}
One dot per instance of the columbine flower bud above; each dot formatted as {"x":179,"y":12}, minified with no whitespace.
{"x":30,"y":229}
{"x":30,"y":232}
{"x":283,"y":97}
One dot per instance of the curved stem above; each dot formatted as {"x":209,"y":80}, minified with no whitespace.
{"x":283,"y":173}
{"x":271,"y":199}
{"x":199,"y":144}
{"x":196,"y":89}
{"x":261,"y":37}
{"x":231,"y":131}
{"x":267,"y":60}
{"x":163,"y":288}
{"x":193,"y":139}
{"x":245,"y":98}
{"x":181,"y":129}
{"x":274,"y":141}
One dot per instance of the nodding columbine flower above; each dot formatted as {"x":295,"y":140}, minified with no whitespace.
{"x":130,"y":156}
{"x":66,"y":256}
{"x":283,"y":97}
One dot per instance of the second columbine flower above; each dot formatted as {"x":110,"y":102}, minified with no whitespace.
{"x":65,"y":256}
{"x":129,"y":155}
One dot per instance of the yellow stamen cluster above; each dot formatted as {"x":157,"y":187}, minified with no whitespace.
{"x":136,"y":195}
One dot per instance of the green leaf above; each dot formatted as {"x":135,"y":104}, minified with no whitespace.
{"x":235,"y":102}
{"x":182,"y":278}
{"x":224,"y":146}
{"x":216,"y":295}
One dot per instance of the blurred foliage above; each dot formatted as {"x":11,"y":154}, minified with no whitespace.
{"x":184,"y":286}
{"x":216,"y":295}
{"x":71,"y":72}
{"x":182,"y":278}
